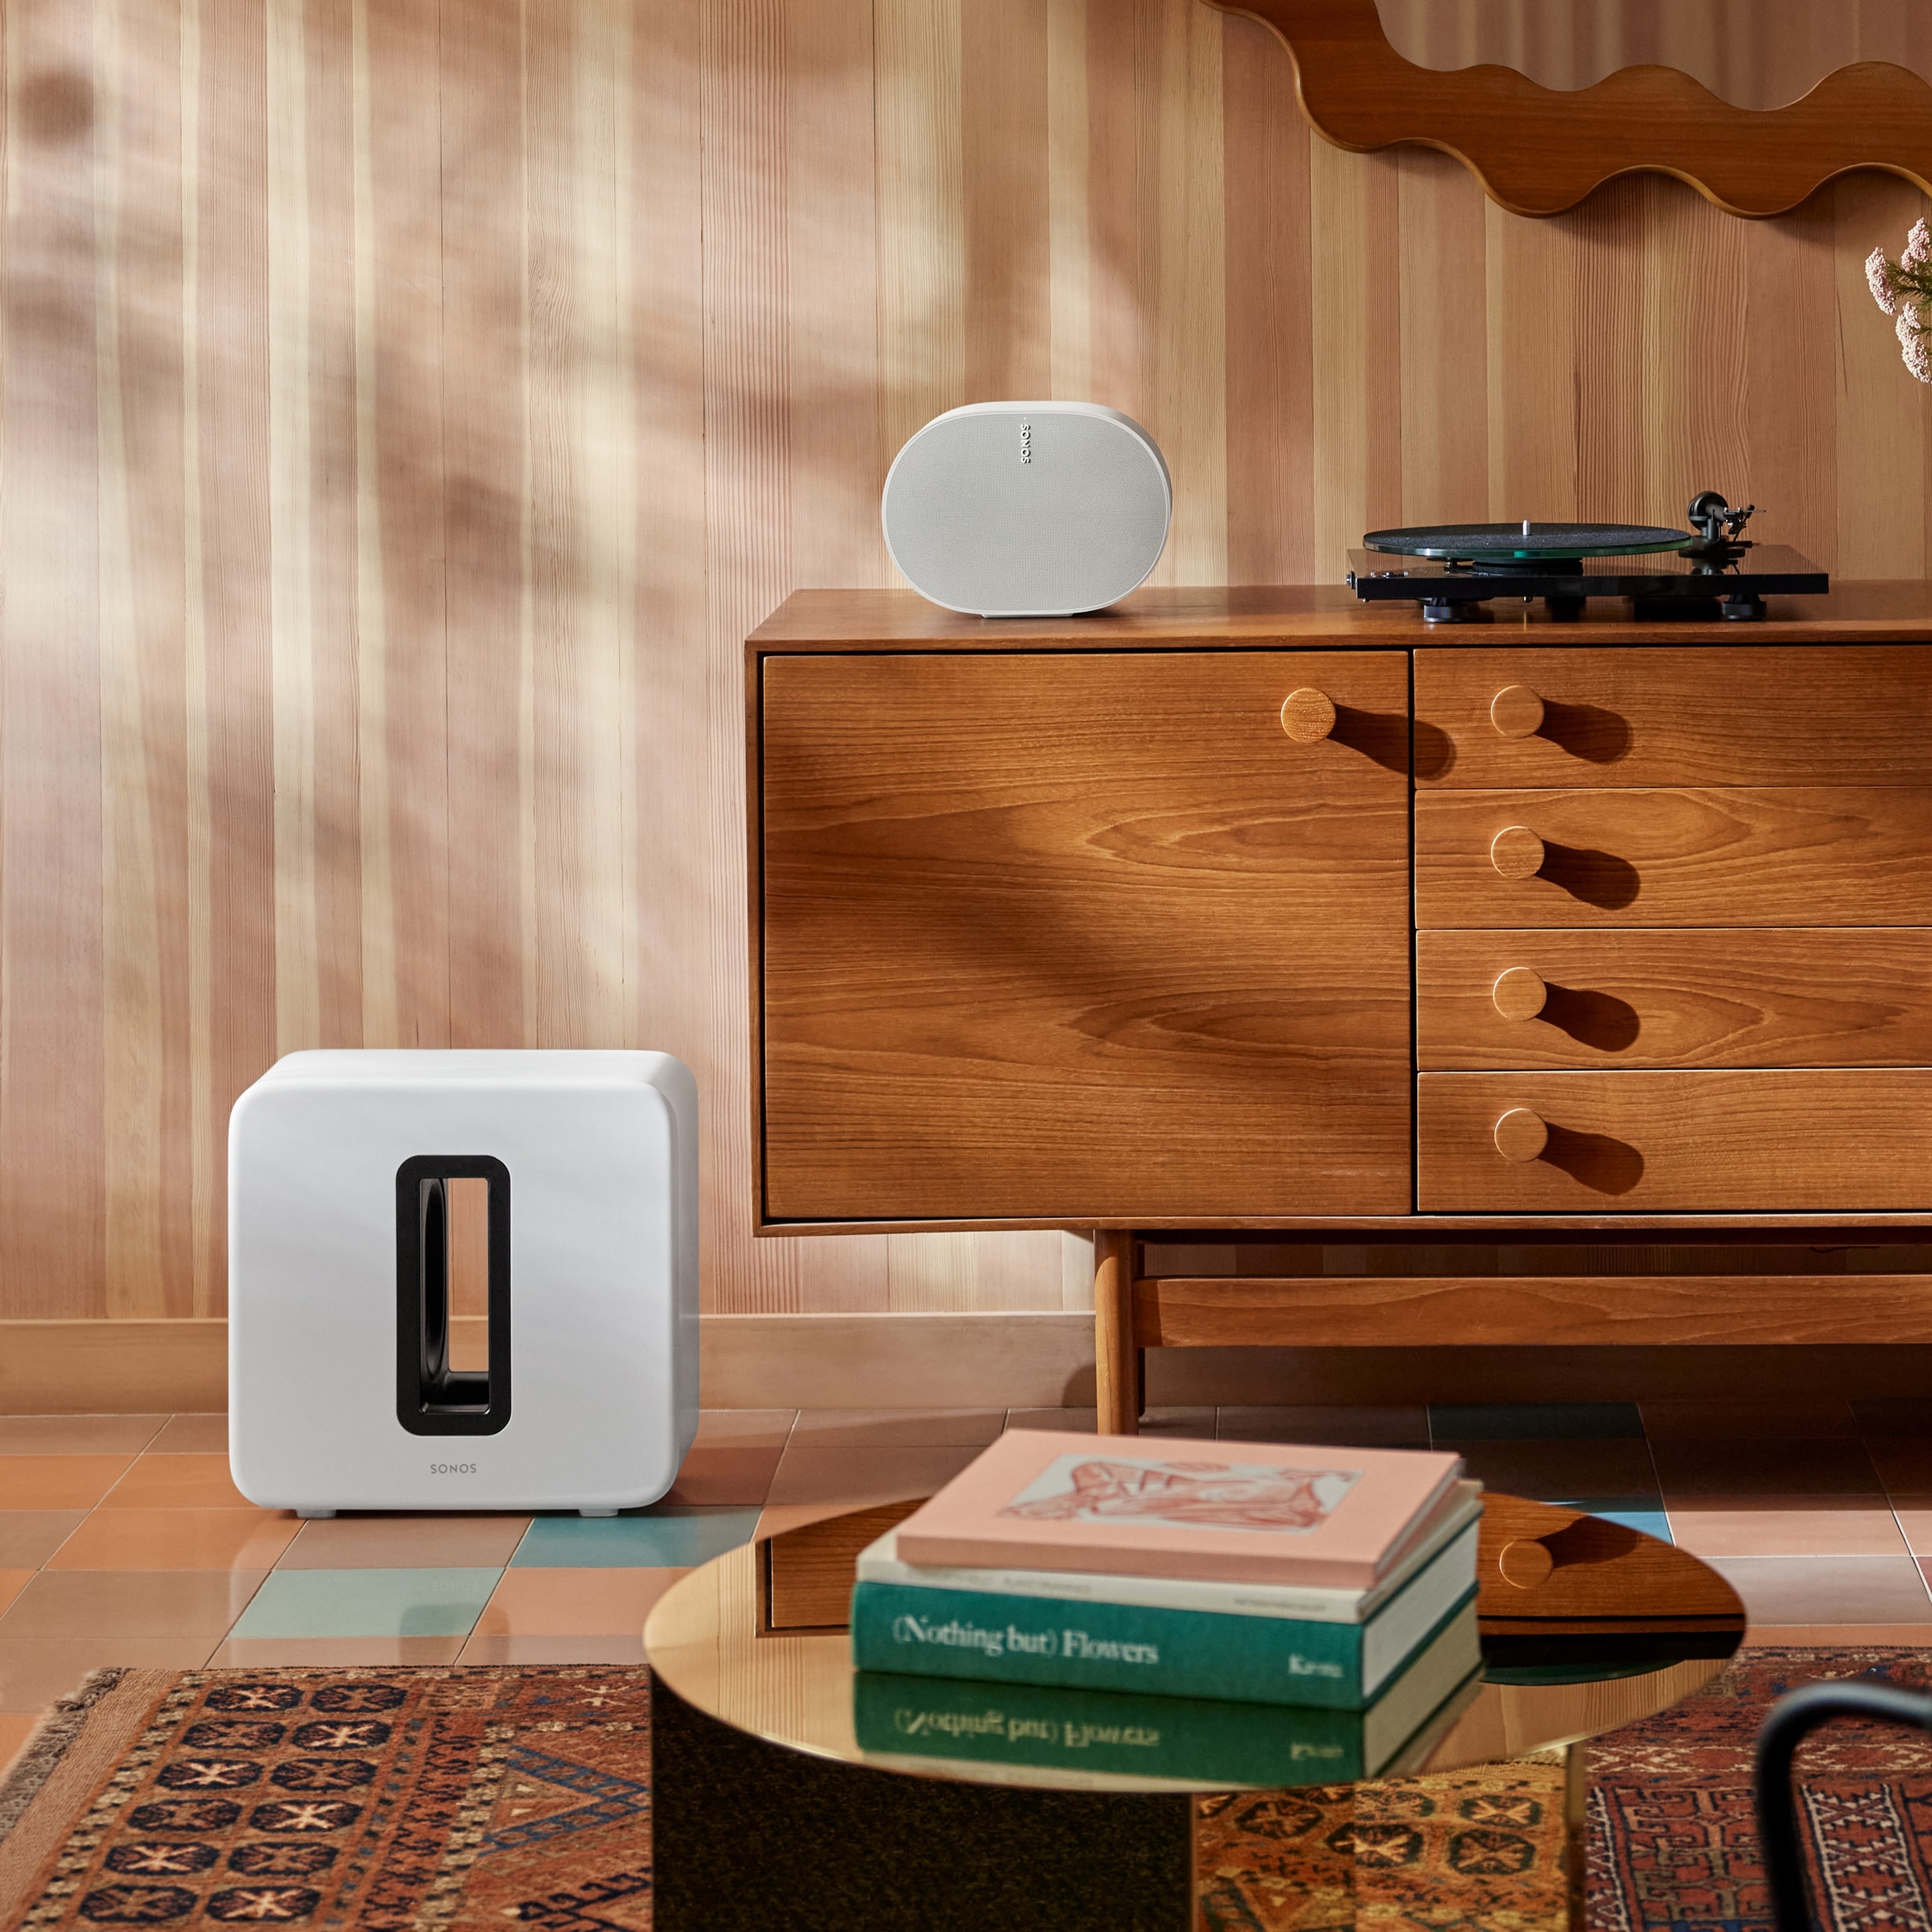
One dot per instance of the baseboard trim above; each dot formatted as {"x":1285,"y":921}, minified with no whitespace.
{"x":748,"y":1361}
{"x":999,"y":1360}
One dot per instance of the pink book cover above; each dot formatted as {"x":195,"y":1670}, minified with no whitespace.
{"x":1130,"y":1505}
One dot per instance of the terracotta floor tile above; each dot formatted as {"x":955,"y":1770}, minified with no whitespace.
{"x":130,"y":1603}
{"x":1917,"y":1636}
{"x":57,"y":1482}
{"x":1914,"y":1512}
{"x":1903,"y":1463}
{"x":12,"y":1582}
{"x":711,"y":1478}
{"x":35,"y":1671}
{"x":1725,"y":1420}
{"x":623,"y":1647}
{"x":1814,"y":1466}
{"x":1860,"y":1590}
{"x":744,"y":1428}
{"x":1782,"y":1526}
{"x":405,"y":1542}
{"x":192,"y":1436}
{"x":572,"y":1603}
{"x":29,"y":1538}
{"x":177,"y":1539}
{"x":1558,"y":1469}
{"x":1399,"y":1427}
{"x":172,"y":1481}
{"x":266,"y":1653}
{"x":914,"y":1428}
{"x":77,"y":1435}
{"x":1083,"y":1421}
{"x":15,"y":1728}
{"x":853,"y":1477}
{"x":1196,"y":1424}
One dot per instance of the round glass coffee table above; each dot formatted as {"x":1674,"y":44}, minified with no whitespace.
{"x":790,"y":1790}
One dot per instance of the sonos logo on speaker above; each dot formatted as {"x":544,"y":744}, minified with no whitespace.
{"x":452,"y":1468}
{"x":1080,"y":529}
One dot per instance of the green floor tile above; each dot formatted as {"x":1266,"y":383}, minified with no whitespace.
{"x":1643,"y":1513}
{"x":652,"y":1539}
{"x":368,"y":1603}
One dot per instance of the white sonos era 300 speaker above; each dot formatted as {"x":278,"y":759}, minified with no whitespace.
{"x":1027,"y":509}
{"x":462,"y":1280}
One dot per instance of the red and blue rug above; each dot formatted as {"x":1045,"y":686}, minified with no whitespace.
{"x":463,"y":1799}
{"x":1673,"y":1835}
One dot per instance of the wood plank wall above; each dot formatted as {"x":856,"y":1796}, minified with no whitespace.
{"x":409,"y":404}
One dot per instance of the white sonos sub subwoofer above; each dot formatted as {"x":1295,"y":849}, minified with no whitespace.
{"x":1027,"y":509}
{"x":462,"y":1280}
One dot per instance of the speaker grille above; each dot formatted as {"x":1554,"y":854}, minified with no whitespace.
{"x":1027,"y":510}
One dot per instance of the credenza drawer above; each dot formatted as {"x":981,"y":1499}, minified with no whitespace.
{"x":1752,"y":998}
{"x":1824,"y":1140}
{"x":1712,"y":714}
{"x":1782,"y":855}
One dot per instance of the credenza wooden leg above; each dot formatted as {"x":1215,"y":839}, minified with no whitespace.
{"x":1116,"y":1360}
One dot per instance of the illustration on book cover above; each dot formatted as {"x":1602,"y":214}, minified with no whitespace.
{"x":1185,"y":1496}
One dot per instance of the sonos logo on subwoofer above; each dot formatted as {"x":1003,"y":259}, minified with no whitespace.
{"x":452,"y":1468}
{"x":1026,"y":440}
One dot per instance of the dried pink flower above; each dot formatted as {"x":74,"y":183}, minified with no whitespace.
{"x":1878,"y":274}
{"x":1918,"y":358}
{"x":1918,"y":245}
{"x":1906,"y":326}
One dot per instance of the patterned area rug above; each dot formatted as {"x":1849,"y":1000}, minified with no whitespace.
{"x":1673,"y":1832}
{"x":386,"y":1799}
{"x":1673,"y":1836}
{"x":488,"y":1796}
{"x":1481,"y":1849}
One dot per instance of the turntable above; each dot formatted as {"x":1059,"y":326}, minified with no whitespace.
{"x":1709,"y":570}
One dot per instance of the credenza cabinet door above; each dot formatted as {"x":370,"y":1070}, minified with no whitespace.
{"x":1068,"y":936}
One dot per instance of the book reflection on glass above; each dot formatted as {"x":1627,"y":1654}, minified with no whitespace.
{"x":1022,"y":1733}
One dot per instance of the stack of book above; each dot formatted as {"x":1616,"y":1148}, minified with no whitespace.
{"x":1258,"y":1614}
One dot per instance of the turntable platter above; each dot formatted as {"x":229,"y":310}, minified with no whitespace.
{"x":1529,"y":542}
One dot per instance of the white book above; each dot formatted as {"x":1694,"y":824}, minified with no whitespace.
{"x":1451,"y":1537}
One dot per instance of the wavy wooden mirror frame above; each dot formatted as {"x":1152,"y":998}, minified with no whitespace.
{"x":1539,"y":150}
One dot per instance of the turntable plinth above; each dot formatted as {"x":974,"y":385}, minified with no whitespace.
{"x":1107,"y":923}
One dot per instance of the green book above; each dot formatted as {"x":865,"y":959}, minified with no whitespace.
{"x":943,"y":1723}
{"x":1096,"y":1645}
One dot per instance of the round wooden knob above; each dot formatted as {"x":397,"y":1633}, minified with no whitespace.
{"x":1519,"y":994}
{"x":1521,"y":1135}
{"x":1517,"y":712}
{"x":1307,"y":715}
{"x":1516,"y":852}
{"x":1525,"y":1562}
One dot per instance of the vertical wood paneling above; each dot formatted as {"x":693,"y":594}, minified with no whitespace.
{"x":52,"y":1206}
{"x":408,"y":408}
{"x":1067,"y":145}
{"x":482,"y":165}
{"x":1270,"y":363}
{"x":1005,"y":166}
{"x":1445,"y":422}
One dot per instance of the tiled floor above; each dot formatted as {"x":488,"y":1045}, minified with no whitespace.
{"x":123,"y":1541}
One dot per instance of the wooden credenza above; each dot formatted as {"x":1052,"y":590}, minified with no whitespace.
{"x":1263,"y":917}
